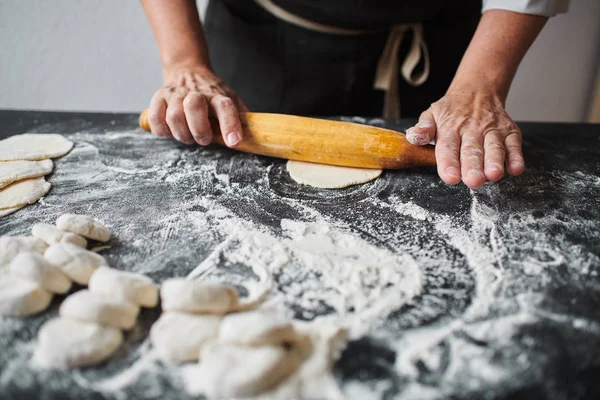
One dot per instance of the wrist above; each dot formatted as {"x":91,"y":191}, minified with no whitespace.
{"x":172,"y":71}
{"x":480,"y":84}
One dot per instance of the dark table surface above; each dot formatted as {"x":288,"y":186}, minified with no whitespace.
{"x":507,"y":300}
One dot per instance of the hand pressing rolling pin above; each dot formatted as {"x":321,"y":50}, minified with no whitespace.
{"x":345,"y":58}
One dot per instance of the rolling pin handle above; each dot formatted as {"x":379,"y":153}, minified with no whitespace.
{"x":143,"y":120}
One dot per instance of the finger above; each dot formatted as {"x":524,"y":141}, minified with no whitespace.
{"x":156,"y":116}
{"x":493,"y":156}
{"x":176,"y":120}
{"x":195,"y":108}
{"x":229,"y":119}
{"x":471,"y":159}
{"x":424,"y":131}
{"x":447,"y":149}
{"x":515,"y":163}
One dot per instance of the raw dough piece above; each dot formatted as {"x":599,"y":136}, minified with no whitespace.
{"x":34,"y":146}
{"x":198,"y":297}
{"x":179,"y":337}
{"x":230,"y":371}
{"x":12,"y":171}
{"x":78,"y":263}
{"x":10,"y":246}
{"x":52,"y":235}
{"x":34,"y":268}
{"x":23,"y":192}
{"x":329,"y":176}
{"x":84,"y":226}
{"x":125,"y":286}
{"x":20,"y":298}
{"x":66,"y":343}
{"x":257,"y":328}
{"x":7,"y":211}
{"x":91,"y":307}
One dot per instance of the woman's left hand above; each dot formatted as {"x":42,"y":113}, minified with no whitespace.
{"x":474,"y":137}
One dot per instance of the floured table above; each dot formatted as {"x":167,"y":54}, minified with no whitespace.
{"x":447,"y":293}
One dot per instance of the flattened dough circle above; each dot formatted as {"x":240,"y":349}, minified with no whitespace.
{"x":329,"y":176}
{"x":24,"y":192}
{"x":12,"y":171}
{"x":34,"y":146}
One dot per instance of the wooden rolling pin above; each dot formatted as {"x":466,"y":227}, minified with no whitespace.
{"x":323,"y":141}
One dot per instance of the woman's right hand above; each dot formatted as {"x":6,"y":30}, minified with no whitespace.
{"x":190,"y":95}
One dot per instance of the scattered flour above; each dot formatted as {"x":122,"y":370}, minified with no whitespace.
{"x":443,"y":291}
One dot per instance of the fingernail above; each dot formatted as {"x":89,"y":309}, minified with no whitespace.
{"x":516,"y":165}
{"x":494,"y":167}
{"x":415,"y":138}
{"x":233,"y":139}
{"x":453,"y":171}
{"x":204,"y":140}
{"x":473,"y":173}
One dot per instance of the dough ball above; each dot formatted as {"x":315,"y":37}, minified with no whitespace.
{"x":230,"y":371}
{"x":84,"y":226}
{"x":10,"y":246}
{"x":66,"y":343}
{"x":34,"y":146}
{"x":257,"y":328}
{"x":19,"y":298}
{"x":52,"y":235}
{"x":12,"y":171}
{"x":125,"y":286}
{"x":23,"y":192}
{"x":180,"y":294}
{"x":34,"y":268}
{"x":179,"y":337}
{"x":91,"y":307}
{"x":329,"y":176}
{"x":7,"y":211}
{"x":76,"y":262}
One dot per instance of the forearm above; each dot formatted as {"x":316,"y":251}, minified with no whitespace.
{"x":178,"y":31}
{"x":498,"y":46}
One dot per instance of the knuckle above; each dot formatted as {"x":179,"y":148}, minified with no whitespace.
{"x":498,"y":147}
{"x":193,"y":100}
{"x":155,"y":119}
{"x":174,"y":116}
{"x":223,"y":102}
{"x":447,"y":147}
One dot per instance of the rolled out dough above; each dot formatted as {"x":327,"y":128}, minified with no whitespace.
{"x":23,"y":192}
{"x":12,"y":171}
{"x":34,"y":146}
{"x":329,"y":176}
{"x":7,"y":211}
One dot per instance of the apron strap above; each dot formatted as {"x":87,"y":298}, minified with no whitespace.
{"x":386,"y":77}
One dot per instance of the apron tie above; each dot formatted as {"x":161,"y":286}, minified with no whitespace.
{"x":386,"y":77}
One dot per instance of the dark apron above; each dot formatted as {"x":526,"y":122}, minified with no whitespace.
{"x":277,"y":67}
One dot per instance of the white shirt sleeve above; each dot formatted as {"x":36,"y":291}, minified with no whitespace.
{"x":546,"y":8}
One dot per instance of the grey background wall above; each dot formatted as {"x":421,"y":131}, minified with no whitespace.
{"x":101,"y":56}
